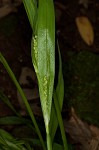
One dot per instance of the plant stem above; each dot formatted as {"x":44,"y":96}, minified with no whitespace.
{"x":59,"y":117}
{"x":49,"y":143}
{"x":11,"y":74}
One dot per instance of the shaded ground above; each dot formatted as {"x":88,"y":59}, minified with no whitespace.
{"x":15,"y":38}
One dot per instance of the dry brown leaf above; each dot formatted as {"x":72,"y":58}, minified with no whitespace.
{"x":85,"y":29}
{"x":81,"y":133}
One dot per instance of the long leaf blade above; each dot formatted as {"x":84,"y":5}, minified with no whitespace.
{"x":43,"y":55}
{"x":13,"y":120}
{"x":31,"y":9}
{"x":60,"y":95}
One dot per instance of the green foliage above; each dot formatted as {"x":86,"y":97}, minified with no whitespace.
{"x":31,"y":10}
{"x":7,"y":142}
{"x":43,"y":58}
{"x":42,"y":20}
{"x":58,"y":102}
{"x":43,"y":55}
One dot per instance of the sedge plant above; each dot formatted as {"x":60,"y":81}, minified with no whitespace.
{"x":42,"y":20}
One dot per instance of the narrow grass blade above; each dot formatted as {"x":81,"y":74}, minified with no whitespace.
{"x":60,"y":96}
{"x":60,"y":121}
{"x":9,"y":142}
{"x":31,"y":10}
{"x":5,"y":99}
{"x":58,"y":104}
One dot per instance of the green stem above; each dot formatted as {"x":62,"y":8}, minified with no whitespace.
{"x":49,"y":143}
{"x":11,"y":74}
{"x":59,"y":117}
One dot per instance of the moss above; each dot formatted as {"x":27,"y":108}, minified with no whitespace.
{"x":82,"y":92}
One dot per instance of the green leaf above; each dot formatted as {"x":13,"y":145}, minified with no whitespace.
{"x":60,"y":121}
{"x":7,"y":142}
{"x":31,"y":10}
{"x":57,"y":146}
{"x":13,"y":120}
{"x":60,"y":95}
{"x":43,"y":55}
{"x":5,"y":99}
{"x":58,"y":106}
{"x":3,"y":133}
